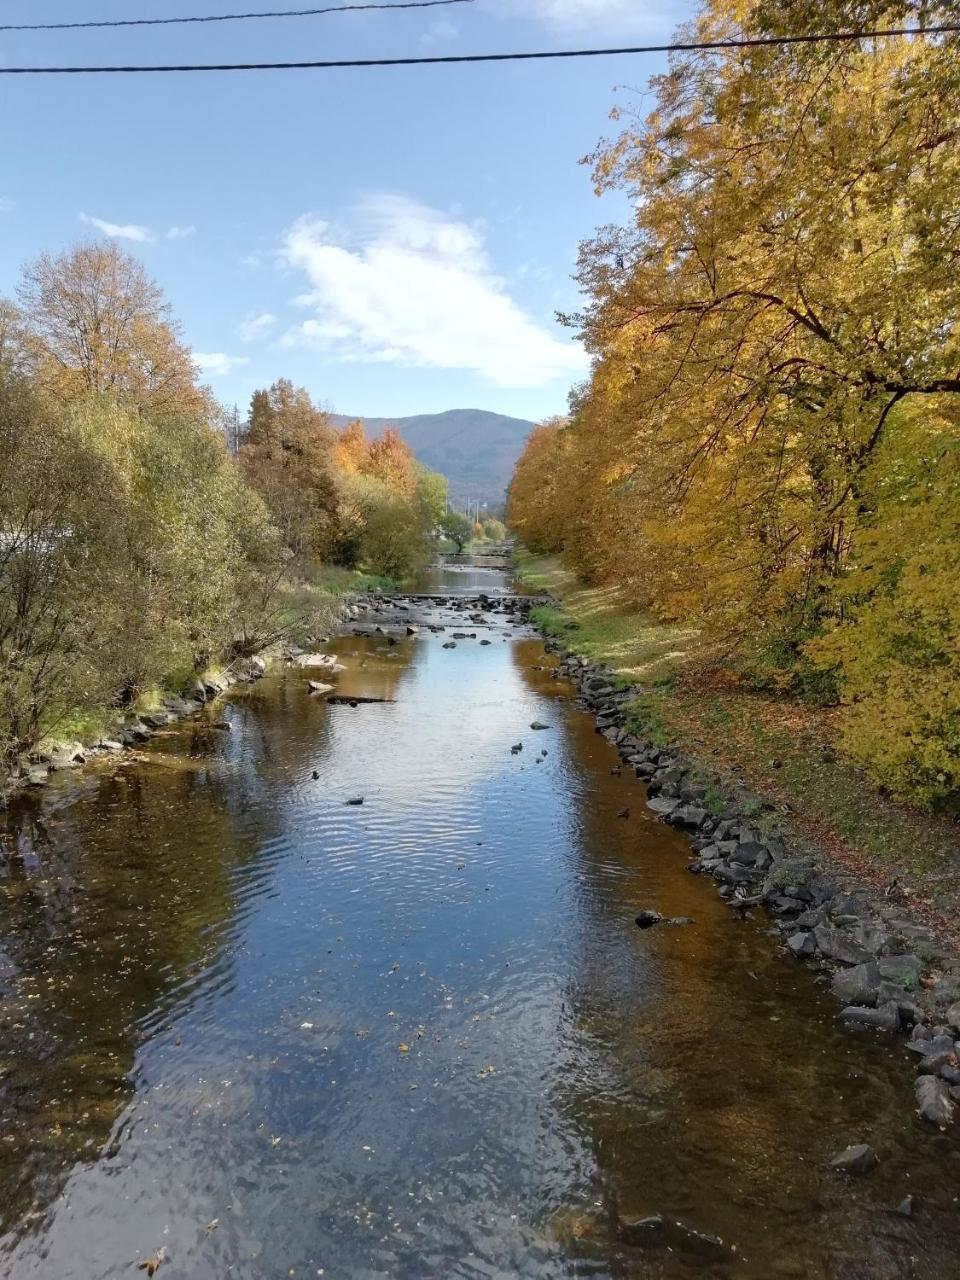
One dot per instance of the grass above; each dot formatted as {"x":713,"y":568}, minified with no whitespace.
{"x":782,"y":756}
{"x":607,"y":628}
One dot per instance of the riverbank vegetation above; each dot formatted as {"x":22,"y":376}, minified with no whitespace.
{"x":783,"y":750}
{"x":135,"y":550}
{"x":767,"y":454}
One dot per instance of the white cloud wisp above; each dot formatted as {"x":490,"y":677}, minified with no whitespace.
{"x":413,"y":286}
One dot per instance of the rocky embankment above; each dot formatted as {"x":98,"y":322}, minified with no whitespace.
{"x":889,"y":973}
{"x":134,"y":729}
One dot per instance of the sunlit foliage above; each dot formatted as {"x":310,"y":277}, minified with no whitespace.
{"x":766,"y":442}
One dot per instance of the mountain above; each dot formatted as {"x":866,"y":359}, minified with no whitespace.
{"x":474,"y":449}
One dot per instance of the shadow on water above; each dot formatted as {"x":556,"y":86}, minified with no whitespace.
{"x":420,"y":1036}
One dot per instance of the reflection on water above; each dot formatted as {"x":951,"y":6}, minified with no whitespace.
{"x":463,"y":575}
{"x":419,"y":1037}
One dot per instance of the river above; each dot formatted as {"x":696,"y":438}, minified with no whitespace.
{"x":277,"y":1034}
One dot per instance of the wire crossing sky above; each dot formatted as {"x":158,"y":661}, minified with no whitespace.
{"x":226,"y":17}
{"x":447,"y":59}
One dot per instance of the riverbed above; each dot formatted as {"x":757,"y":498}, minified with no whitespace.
{"x":275,"y":1033}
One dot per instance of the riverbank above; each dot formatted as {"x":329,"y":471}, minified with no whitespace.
{"x":889,"y":972}
{"x":786,"y":754}
{"x":304,"y":610}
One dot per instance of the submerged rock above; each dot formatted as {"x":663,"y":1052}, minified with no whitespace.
{"x":647,"y":919}
{"x":858,"y":1159}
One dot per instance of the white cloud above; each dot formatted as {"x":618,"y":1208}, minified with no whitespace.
{"x":581,"y":15}
{"x":256,"y":326}
{"x":6,"y":204}
{"x":181,"y":233}
{"x":415,"y":286}
{"x":121,"y":231}
{"x":217,"y":363}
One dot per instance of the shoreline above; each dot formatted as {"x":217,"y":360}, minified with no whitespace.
{"x":133,"y":729}
{"x":889,"y":970}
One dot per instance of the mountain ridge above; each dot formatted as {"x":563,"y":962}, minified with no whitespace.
{"x":474,"y":448}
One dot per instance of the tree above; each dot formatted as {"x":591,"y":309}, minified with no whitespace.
{"x":96,"y":323}
{"x":286,"y":454}
{"x":457,"y":527}
{"x":775,"y":348}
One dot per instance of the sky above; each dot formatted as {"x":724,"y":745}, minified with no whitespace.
{"x":397,"y":240}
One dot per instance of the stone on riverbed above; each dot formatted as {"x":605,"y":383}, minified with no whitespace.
{"x":647,"y":919}
{"x":858,"y":1159}
{"x":886,"y":1018}
{"x":327,"y":661}
{"x":933,"y":1101}
{"x":316,"y":686}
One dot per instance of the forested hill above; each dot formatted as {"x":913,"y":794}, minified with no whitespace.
{"x":474,"y":449}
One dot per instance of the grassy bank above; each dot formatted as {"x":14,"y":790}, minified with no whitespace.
{"x":783,"y":751}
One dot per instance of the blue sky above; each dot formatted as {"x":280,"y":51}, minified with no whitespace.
{"x":396,"y":240}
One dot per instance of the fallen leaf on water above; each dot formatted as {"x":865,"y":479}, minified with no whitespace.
{"x":404,"y":1048}
{"x":150,"y":1265}
{"x":212,"y":1225}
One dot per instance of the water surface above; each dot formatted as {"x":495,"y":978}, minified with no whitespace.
{"x":421,"y":1036}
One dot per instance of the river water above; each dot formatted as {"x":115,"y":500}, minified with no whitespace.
{"x":277,"y":1034}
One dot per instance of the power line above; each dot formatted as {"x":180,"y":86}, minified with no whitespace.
{"x":705,"y":45}
{"x":226,"y":17}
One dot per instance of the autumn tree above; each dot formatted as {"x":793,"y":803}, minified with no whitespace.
{"x":96,"y":323}
{"x":287,"y":456}
{"x":774,"y":341}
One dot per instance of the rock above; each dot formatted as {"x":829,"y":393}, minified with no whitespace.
{"x":322,"y":660}
{"x":945,"y":992}
{"x":905,"y":1207}
{"x":837,"y":945}
{"x":412,"y":631}
{"x":110,"y":744}
{"x":904,"y":970}
{"x":354,"y":800}
{"x":647,"y":919}
{"x":933,"y":1101}
{"x":38,"y":775}
{"x":640,"y":1231}
{"x":317,"y":686}
{"x":924,"y":1042}
{"x":885,"y":1019}
{"x":731,"y":875}
{"x":934,"y":1063}
{"x":516,"y":748}
{"x":538,"y":724}
{"x":858,"y":985}
{"x":858,"y":1159}
{"x":449,"y":644}
{"x":801,"y":944}
{"x":953,"y":1016}
{"x":688,"y":815}
{"x":677,"y":921}
{"x":750,"y":853}
{"x":662,"y":805}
